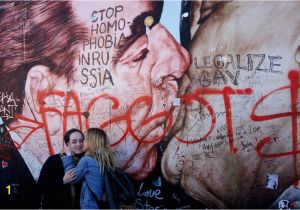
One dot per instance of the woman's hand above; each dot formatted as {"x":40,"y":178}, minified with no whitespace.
{"x":69,"y":176}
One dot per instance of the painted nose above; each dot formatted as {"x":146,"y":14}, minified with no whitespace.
{"x":170,"y":58}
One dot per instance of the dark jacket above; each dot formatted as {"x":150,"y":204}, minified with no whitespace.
{"x":56,"y":194}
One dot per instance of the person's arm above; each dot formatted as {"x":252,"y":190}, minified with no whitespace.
{"x":68,"y":162}
{"x":80,"y":171}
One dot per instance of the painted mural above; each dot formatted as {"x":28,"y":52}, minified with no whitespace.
{"x":210,"y":122}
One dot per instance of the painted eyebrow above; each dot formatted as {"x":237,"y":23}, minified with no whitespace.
{"x":208,"y":8}
{"x":138,"y":29}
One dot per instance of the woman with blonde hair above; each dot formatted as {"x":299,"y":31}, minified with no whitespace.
{"x":90,"y":169}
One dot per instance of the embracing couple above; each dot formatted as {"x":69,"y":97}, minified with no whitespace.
{"x":76,"y":180}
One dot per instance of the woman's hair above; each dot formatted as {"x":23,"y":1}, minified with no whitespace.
{"x":99,"y":148}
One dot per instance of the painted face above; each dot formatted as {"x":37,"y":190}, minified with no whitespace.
{"x":76,"y":143}
{"x":126,"y":78}
{"x":239,"y":134}
{"x":124,"y":82}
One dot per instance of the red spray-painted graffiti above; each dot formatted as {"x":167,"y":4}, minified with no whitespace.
{"x":187,"y":99}
{"x":78,"y":113}
{"x":226,"y":92}
{"x":294,"y":79}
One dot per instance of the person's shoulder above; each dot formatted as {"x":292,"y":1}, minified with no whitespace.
{"x":88,"y":159}
{"x":67,"y":157}
{"x":53,"y":158}
{"x":53,"y":162}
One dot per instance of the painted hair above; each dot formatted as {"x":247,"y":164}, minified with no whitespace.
{"x":36,"y":33}
{"x":99,"y":148}
{"x":68,"y":134}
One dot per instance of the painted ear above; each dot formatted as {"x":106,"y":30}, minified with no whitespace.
{"x":135,"y":51}
{"x":36,"y":81}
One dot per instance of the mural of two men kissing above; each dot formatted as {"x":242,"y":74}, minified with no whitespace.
{"x":212,"y":122}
